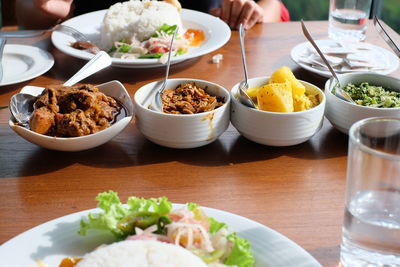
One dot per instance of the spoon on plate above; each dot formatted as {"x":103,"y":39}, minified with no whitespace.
{"x":157,"y":104}
{"x":21,"y":105}
{"x":243,"y":86}
{"x":338,"y":91}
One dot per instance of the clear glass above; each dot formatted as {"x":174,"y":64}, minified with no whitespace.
{"x":371,"y":228}
{"x":348,"y":19}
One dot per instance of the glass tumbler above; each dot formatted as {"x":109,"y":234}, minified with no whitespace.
{"x":348,"y":19}
{"x":371,"y":228}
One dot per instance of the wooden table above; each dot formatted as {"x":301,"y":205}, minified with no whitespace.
{"x":298,"y":191}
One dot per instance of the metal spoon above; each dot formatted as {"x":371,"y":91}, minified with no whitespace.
{"x":385,"y":36}
{"x":243,"y":86}
{"x":157,"y":103}
{"x":21,"y":105}
{"x":338,"y":91}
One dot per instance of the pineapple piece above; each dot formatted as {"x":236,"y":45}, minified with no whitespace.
{"x":301,"y":103}
{"x":275,"y":97}
{"x":284,"y":74}
{"x":252,"y":92}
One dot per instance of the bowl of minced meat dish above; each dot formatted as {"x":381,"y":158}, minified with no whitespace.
{"x":195,"y":113}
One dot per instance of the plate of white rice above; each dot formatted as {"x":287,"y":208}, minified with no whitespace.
{"x":105,"y":26}
{"x":54,"y":240}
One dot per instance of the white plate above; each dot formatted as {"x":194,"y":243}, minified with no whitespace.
{"x":23,"y":62}
{"x":391,"y":59}
{"x":58,"y":238}
{"x":216,"y":31}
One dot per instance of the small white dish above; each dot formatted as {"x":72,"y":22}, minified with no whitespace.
{"x":181,"y":130}
{"x":276,"y":128}
{"x":54,"y":240}
{"x":386,"y":58}
{"x":216,"y":31}
{"x":23,"y":62}
{"x":112,"y":88}
{"x":342,"y":114}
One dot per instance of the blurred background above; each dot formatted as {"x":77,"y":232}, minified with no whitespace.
{"x":387,"y":10}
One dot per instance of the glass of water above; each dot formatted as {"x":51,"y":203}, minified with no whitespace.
{"x":348,"y":19}
{"x":371,"y":229}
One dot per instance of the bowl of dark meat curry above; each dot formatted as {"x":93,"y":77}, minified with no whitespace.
{"x":195,"y":113}
{"x":77,"y":117}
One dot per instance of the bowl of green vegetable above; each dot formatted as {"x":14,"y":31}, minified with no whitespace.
{"x":375,"y":95}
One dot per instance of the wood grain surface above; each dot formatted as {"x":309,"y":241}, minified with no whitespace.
{"x":297,"y":191}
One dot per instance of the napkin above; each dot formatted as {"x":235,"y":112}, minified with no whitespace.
{"x":346,"y":57}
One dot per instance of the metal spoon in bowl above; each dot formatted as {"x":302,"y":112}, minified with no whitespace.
{"x":338,"y":91}
{"x":157,"y":104}
{"x":243,"y":86}
{"x":21,"y":105}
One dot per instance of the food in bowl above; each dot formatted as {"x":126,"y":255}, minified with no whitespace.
{"x":72,"y":111}
{"x":153,"y":220}
{"x":283,"y":93}
{"x":143,"y":29}
{"x":188,"y":98}
{"x":369,"y":95}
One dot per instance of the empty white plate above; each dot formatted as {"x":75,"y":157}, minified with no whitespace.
{"x":23,"y":62}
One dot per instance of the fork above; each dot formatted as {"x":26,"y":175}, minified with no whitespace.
{"x":77,"y":35}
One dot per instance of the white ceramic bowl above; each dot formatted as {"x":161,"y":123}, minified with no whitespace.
{"x":343,"y":114}
{"x":181,"y":130}
{"x":114,"y":89}
{"x":276,"y":128}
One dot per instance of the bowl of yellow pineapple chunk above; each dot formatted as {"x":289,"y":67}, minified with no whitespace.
{"x":289,"y":111}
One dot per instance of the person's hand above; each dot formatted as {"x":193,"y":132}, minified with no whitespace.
{"x":235,"y":12}
{"x":54,"y":8}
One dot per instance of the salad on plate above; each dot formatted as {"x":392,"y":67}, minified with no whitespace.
{"x":154,"y":219}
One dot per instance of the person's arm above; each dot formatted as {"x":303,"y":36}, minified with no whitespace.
{"x":248,"y":12}
{"x":41,"y":14}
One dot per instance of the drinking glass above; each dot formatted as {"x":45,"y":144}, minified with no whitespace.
{"x":371,"y":228}
{"x":348,"y":19}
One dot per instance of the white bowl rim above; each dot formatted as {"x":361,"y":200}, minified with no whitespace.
{"x":329,"y":82}
{"x":294,"y":113}
{"x":202,"y":114}
{"x":12,"y":124}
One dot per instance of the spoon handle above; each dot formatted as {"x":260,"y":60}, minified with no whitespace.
{"x":241,"y":36}
{"x":385,"y":36}
{"x":168,"y":61}
{"x":98,"y":62}
{"x":309,"y":38}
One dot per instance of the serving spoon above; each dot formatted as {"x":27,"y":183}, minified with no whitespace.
{"x":21,"y":105}
{"x":243,"y":86}
{"x":157,"y":104}
{"x":338,"y":91}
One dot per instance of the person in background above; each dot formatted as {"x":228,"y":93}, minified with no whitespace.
{"x":41,"y":14}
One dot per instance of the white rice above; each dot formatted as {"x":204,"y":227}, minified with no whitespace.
{"x":136,"y":18}
{"x":141,"y":253}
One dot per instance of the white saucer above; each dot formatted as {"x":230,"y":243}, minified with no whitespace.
{"x":390,"y":59}
{"x":23,"y":62}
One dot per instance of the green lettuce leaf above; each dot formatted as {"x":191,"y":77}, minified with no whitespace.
{"x":191,"y":206}
{"x":215,"y":225}
{"x":121,"y":220}
{"x":241,"y":255}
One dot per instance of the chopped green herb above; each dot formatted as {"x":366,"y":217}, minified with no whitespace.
{"x":124,"y":48}
{"x":373,"y":96}
{"x":155,"y":55}
{"x":112,"y":49}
